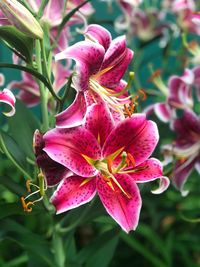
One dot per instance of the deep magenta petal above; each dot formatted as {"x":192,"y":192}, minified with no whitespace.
{"x":137,"y":135}
{"x":99,"y":122}
{"x":112,"y":77}
{"x":69,"y":146}
{"x":73,"y":192}
{"x":88,"y":56}
{"x":98,"y":34}
{"x":74,"y":114}
{"x":124,"y":209}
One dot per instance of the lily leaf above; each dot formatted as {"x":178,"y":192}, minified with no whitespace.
{"x":17,"y":42}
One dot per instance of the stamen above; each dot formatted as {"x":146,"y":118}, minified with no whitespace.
{"x":28,"y":185}
{"x":120,"y":187}
{"x":109,"y":165}
{"x":155,"y":75}
{"x":131,"y":158}
{"x":143,"y":94}
{"x":85,"y":181}
{"x":26,"y":206}
{"x":127,"y":111}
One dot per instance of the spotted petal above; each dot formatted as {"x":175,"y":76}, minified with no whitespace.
{"x":71,"y":148}
{"x":150,"y":170}
{"x":99,"y":122}
{"x":124,"y":209}
{"x":7,"y":97}
{"x":73,"y":192}
{"x":136,"y":135}
{"x":97,"y":33}
{"x":88,"y":56}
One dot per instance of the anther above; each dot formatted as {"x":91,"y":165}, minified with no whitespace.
{"x":109,"y":165}
{"x":28,"y":185}
{"x":26,"y":206}
{"x":155,"y":75}
{"x":131,"y":158}
{"x":143,"y":94}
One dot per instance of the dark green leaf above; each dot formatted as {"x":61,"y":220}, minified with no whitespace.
{"x":22,"y":127}
{"x":17,"y":41}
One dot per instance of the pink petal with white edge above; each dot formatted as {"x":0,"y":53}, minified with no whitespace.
{"x":136,"y":135}
{"x":163,"y":111}
{"x":69,"y":148}
{"x":73,"y":192}
{"x":74,"y":114}
{"x":7,"y":97}
{"x":196,"y":18}
{"x":148,"y":171}
{"x":97,"y":33}
{"x":124,"y":209}
{"x":88,"y":57}
{"x":99,"y":122}
{"x":53,"y":12}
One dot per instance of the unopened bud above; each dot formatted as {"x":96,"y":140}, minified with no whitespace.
{"x":21,"y":18}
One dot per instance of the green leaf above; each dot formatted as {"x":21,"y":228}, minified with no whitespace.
{"x":17,"y":41}
{"x":100,"y":252}
{"x":35,"y":245}
{"x":9,"y":209}
{"x":22,"y":127}
{"x":12,"y":186}
{"x":12,"y":150}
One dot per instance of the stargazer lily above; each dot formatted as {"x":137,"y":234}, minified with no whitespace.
{"x":109,"y":159}
{"x":186,"y":148}
{"x":7,"y":97}
{"x":100,"y":65}
{"x":178,"y":94}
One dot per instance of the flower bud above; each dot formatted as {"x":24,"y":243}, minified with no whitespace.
{"x":21,"y":18}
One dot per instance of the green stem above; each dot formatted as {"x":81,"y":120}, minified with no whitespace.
{"x":43,"y":91}
{"x":42,"y":7}
{"x":10,"y":157}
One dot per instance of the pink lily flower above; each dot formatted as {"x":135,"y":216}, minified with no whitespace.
{"x":185,"y":12}
{"x":146,"y":25}
{"x":7,"y":97}
{"x":186,"y":148}
{"x":100,"y":65}
{"x":29,"y":90}
{"x":108,"y":159}
{"x":53,"y":171}
{"x":178,"y":95}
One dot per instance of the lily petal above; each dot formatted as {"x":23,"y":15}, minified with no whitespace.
{"x":7,"y":97}
{"x":99,"y":122}
{"x":181,"y":174}
{"x":97,"y":33}
{"x":74,"y":114}
{"x":88,"y":56}
{"x":163,"y":111}
{"x":73,"y":192}
{"x":112,"y":77}
{"x":71,"y":147}
{"x":124,"y":209}
{"x":137,"y":135}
